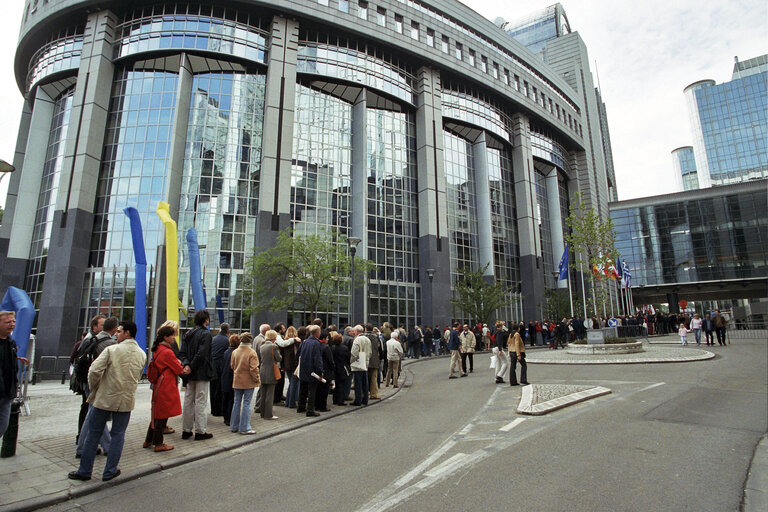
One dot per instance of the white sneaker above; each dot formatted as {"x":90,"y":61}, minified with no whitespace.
{"x":247,"y":432}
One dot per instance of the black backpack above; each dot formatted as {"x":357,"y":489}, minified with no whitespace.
{"x":85,"y":357}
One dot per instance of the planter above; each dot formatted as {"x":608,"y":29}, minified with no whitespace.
{"x":618,"y":348}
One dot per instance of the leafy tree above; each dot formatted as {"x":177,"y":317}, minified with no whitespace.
{"x":556,"y":304}
{"x":303,"y":272}
{"x":478,"y":298}
{"x":1,"y":214}
{"x":593,"y":239}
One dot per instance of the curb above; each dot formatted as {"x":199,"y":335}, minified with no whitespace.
{"x":130,"y":475}
{"x":542,"y":408}
{"x":756,"y":487}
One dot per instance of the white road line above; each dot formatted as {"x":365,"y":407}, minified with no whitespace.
{"x":511,"y":425}
{"x":652,"y":386}
{"x":445,"y":466}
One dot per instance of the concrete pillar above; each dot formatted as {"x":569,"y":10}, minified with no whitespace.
{"x":277,"y":143}
{"x":434,"y":251}
{"x":359,"y":201}
{"x":531,"y":268}
{"x":13,"y":258}
{"x":57,"y":326}
{"x":483,"y":195}
{"x":556,"y":222}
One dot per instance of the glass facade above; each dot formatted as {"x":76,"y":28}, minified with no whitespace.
{"x":46,"y":203}
{"x":392,"y":218}
{"x":62,"y":53}
{"x":220,"y":186}
{"x":684,"y":163}
{"x":545,"y":229}
{"x":461,"y":205}
{"x":713,"y":238}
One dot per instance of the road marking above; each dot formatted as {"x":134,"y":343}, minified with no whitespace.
{"x":511,"y":425}
{"x":652,"y":386}
{"x":445,"y":466}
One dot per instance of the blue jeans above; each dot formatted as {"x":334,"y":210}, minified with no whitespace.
{"x":98,"y":420}
{"x":5,"y":414}
{"x":697,"y":334}
{"x":292,"y":395}
{"x":241,"y":417}
{"x":103,"y":440}
{"x":361,"y":388}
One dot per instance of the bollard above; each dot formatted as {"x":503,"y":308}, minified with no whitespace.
{"x":12,"y":434}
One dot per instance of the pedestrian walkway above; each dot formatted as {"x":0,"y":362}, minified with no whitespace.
{"x":37,"y":475}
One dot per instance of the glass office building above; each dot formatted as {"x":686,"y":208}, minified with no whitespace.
{"x":417,"y":126}
{"x":730,"y":125}
{"x":684,"y":165}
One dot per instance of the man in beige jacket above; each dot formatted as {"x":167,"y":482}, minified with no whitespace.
{"x":112,"y":379}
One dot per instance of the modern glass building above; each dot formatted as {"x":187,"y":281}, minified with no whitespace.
{"x":684,"y":165}
{"x":729,"y":122}
{"x":417,"y":126}
{"x":704,"y":244}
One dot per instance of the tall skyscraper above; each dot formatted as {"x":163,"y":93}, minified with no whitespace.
{"x":730,"y":126}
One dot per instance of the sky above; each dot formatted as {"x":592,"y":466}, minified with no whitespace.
{"x":643,"y":55}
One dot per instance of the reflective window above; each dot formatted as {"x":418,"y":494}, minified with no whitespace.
{"x":398,"y":24}
{"x":362,"y":10}
{"x":60,"y":54}
{"x":445,"y":44}
{"x":414,"y":30}
{"x":381,"y":16}
{"x":461,"y":204}
{"x":220,"y":187}
{"x":430,"y":37}
{"x":465,"y":105}
{"x":392,"y":218}
{"x":471,"y":57}
{"x":545,"y":230}
{"x":344,"y":5}
{"x":46,"y":202}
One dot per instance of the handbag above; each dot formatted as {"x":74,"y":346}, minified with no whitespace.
{"x":298,"y":368}
{"x":275,"y":368}
{"x":360,"y":364}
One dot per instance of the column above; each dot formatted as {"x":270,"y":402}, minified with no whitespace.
{"x":531,"y":269}
{"x":23,"y":190}
{"x":57,"y":326}
{"x":277,"y":143}
{"x":359,"y":200}
{"x":483,"y":194}
{"x":555,"y":222}
{"x":434,"y":251}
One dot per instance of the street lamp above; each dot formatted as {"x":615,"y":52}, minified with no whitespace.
{"x":5,"y":168}
{"x":352,"y":242}
{"x":430,"y":275}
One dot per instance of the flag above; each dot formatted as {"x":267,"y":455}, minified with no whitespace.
{"x":627,"y":273}
{"x":619,"y":270}
{"x":563,"y":265}
{"x":598,"y":270}
{"x":653,"y":311}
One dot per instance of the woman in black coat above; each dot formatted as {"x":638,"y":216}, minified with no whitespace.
{"x":329,"y":374}
{"x":225,"y":370}
{"x":341,"y":356}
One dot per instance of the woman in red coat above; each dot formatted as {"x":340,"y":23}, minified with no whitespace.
{"x":166,"y":402}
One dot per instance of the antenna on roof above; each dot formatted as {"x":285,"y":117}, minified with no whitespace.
{"x":600,"y":90}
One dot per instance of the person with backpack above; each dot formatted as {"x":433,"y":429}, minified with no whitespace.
{"x":195,"y":355}
{"x":163,"y":372}
{"x":88,"y":353}
{"x":75,"y":384}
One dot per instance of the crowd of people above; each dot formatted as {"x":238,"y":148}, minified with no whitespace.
{"x":297,"y":367}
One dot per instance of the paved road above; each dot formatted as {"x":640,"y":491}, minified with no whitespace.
{"x":676,"y":436}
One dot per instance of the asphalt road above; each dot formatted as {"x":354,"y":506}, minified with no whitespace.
{"x":677,"y":436}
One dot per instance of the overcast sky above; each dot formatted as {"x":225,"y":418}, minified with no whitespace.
{"x":645,"y":52}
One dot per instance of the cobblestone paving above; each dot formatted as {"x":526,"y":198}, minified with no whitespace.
{"x":545,"y":392}
{"x":539,"y":399}
{"x":652,"y":354}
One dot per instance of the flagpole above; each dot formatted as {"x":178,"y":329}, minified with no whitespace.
{"x":570,"y":296}
{"x":583,"y":290}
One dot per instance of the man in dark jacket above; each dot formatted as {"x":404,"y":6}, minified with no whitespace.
{"x":195,"y":355}
{"x":219,"y":345}
{"x":8,"y":367}
{"x":310,"y":361}
{"x":454,"y":344}
{"x":374,"y":361}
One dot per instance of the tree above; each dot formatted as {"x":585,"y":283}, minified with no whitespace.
{"x":556,"y":304}
{"x":478,"y":298}
{"x":1,"y":215}
{"x":594,"y":240}
{"x":303,"y":272}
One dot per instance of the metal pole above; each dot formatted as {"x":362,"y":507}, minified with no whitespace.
{"x":570,"y":296}
{"x":583,"y":290}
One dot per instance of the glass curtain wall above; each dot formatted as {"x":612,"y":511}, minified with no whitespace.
{"x":320,"y":179}
{"x":220,"y":187}
{"x":545,"y":230}
{"x":393,"y":231}
{"x":461,"y":207}
{"x":504,"y":228}
{"x":46,"y":203}
{"x":133,"y":172}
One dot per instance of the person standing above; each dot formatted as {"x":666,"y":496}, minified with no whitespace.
{"x":290,"y":356}
{"x":720,"y":324}
{"x":195,"y":355}
{"x":269,"y":356}
{"x":166,"y":402}
{"x":329,"y":373}
{"x":682,"y":331}
{"x":517,"y":355}
{"x":468,"y":344}
{"x":502,"y":364}
{"x":709,"y":328}
{"x":112,"y":379}
{"x":9,"y":375}
{"x":219,"y":345}
{"x":245,"y":377}
{"x":374,"y":360}
{"x":454,"y":345}
{"x":96,"y":325}
{"x":310,"y":362}
{"x":696,"y":328}
{"x":394,"y":356}
{"x":359,"y":356}
{"x":227,"y":376}
{"x":341,"y":355}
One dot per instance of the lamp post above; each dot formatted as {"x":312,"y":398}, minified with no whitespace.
{"x":431,"y":275}
{"x":5,"y":168}
{"x":352,"y":242}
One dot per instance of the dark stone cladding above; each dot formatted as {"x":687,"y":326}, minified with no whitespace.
{"x":57,"y":13}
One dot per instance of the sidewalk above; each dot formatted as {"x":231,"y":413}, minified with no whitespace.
{"x":45,"y":453}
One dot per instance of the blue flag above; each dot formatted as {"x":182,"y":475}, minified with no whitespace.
{"x":563,"y":265}
{"x":619,"y":269}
